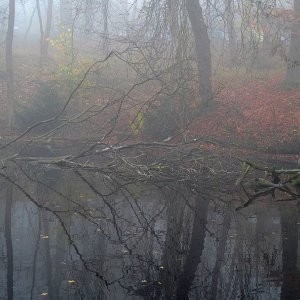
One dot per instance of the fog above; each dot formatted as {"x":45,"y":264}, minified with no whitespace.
{"x":149,"y":149}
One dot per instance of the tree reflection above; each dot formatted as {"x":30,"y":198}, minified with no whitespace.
{"x":9,"y":243}
{"x":289,"y":237}
{"x":106,"y":237}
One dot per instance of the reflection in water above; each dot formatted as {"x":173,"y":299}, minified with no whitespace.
{"x":194,"y":253}
{"x":288,"y":220}
{"x":85,"y":238}
{"x":8,"y":240}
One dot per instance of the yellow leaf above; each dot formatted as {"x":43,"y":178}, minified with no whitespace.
{"x":71,"y":281}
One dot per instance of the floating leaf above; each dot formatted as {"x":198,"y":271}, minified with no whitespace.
{"x":71,"y":281}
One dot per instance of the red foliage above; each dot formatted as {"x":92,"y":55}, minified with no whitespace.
{"x":258,"y":113}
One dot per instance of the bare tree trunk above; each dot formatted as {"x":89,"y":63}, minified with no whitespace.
{"x":173,"y":7}
{"x":9,"y":63}
{"x":45,"y":44}
{"x":44,"y":35}
{"x":293,"y":65}
{"x":126,"y":17}
{"x":41,"y":30}
{"x":134,"y":10}
{"x":30,"y":24}
{"x":232,"y":38}
{"x":9,"y":245}
{"x":202,"y":47}
{"x":66,"y":17}
{"x":105,"y":25}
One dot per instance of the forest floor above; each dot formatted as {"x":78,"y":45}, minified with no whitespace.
{"x":257,"y":114}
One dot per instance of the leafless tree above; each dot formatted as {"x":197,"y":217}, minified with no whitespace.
{"x":202,"y":49}
{"x":293,"y":65}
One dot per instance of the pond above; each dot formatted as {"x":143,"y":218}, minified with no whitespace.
{"x":88,"y":237}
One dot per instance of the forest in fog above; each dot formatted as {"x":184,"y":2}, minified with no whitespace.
{"x":149,"y":149}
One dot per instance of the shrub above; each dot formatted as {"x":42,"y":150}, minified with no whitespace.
{"x":161,"y":120}
{"x":44,"y":104}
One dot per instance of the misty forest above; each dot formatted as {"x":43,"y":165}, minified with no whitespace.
{"x":149,"y":149}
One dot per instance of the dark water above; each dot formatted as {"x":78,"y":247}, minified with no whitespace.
{"x":91,"y":239}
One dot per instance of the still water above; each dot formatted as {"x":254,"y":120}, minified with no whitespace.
{"x":92,"y":238}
